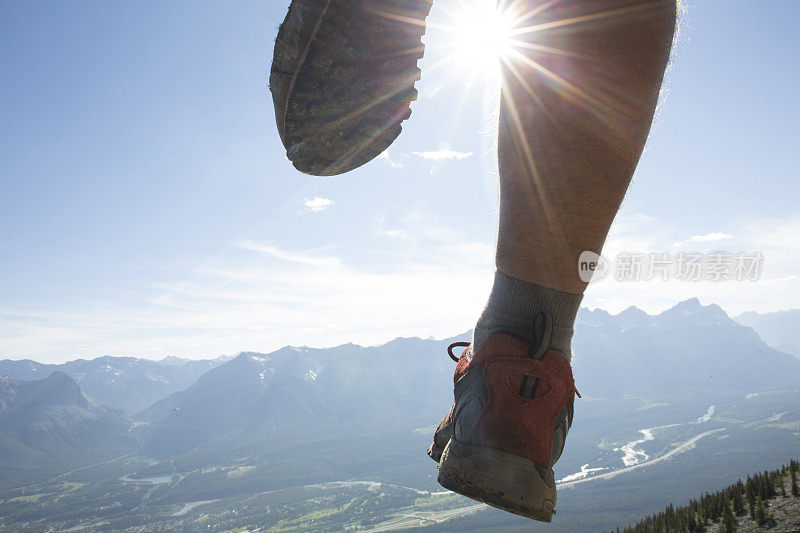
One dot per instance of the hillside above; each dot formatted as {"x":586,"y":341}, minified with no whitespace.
{"x":51,"y":424}
{"x":768,"y":501}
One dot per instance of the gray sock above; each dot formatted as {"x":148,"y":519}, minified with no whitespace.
{"x":513,"y":305}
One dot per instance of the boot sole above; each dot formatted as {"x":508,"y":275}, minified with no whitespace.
{"x":497,"y":478}
{"x":343,"y":77}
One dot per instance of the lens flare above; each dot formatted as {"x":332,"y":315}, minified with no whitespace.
{"x":480,"y":35}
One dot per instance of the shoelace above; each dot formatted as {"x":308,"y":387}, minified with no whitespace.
{"x":542,"y":331}
{"x":463,"y":344}
{"x":459,"y":344}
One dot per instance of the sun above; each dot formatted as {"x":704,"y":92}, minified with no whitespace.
{"x":480,"y":34}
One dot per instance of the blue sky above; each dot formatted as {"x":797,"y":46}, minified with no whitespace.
{"x":147,"y":208}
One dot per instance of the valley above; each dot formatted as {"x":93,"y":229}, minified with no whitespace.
{"x":306,"y":439}
{"x":405,"y":493}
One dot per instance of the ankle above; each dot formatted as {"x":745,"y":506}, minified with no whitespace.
{"x":513,"y":305}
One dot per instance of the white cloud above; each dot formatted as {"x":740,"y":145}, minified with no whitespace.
{"x":635,"y":232}
{"x":708,"y":237}
{"x":292,"y":257}
{"x":317,"y":204}
{"x":426,"y":237}
{"x":433,"y":281}
{"x":444,"y":153}
{"x":395,"y":233}
{"x":778,"y":287}
{"x":714,"y":236}
{"x":387,"y":157}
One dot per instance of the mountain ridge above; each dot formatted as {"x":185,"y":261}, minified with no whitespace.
{"x":125,"y":383}
{"x":300,"y":416}
{"x":52,"y":421}
{"x":780,"y":329}
{"x":687,"y":349}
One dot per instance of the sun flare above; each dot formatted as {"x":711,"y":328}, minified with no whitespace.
{"x":481,"y":34}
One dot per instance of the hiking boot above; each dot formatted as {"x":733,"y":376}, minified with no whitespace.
{"x":342,"y":79}
{"x":507,"y":427}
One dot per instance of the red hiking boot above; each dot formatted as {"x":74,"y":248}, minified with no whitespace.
{"x":513,"y":407}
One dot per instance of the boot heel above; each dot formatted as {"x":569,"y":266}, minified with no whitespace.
{"x":493,"y":476}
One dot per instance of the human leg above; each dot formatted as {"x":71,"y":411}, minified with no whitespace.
{"x":578,"y":100}
{"x":579,"y":95}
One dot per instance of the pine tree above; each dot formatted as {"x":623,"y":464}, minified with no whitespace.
{"x":728,"y":524}
{"x":751,"y":506}
{"x":691,"y":524}
{"x":738,"y":502}
{"x":769,"y":485}
{"x":722,"y":506}
{"x":761,"y":512}
{"x":764,"y":486}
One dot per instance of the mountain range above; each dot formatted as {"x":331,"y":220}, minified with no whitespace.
{"x":52,"y":423}
{"x":126,"y":383}
{"x":687,"y":349}
{"x":778,"y":329}
{"x":296,"y":417}
{"x":300,"y":395}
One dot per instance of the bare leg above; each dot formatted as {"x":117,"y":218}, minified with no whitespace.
{"x":578,"y":102}
{"x":577,"y":106}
